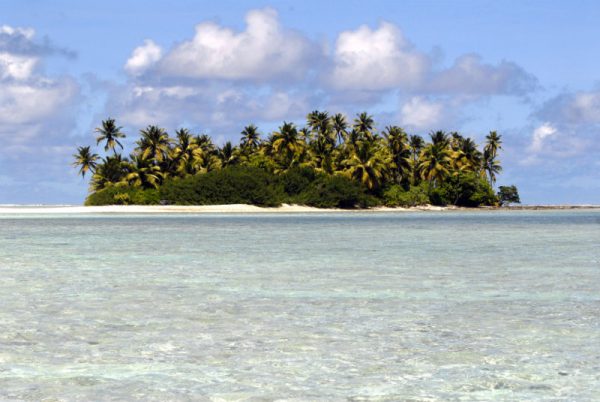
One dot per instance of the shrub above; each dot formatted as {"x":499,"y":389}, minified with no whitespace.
{"x":297,"y":179}
{"x":233,"y":185}
{"x":397,"y":196}
{"x":508,"y":195}
{"x":335,"y":192}
{"x":123,"y":195}
{"x":464,"y":189}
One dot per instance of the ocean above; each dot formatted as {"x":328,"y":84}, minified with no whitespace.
{"x":416,"y":306}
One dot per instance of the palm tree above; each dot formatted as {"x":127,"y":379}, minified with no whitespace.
{"x":142,"y":172}
{"x":320,"y":125}
{"x":364,"y":123}
{"x":110,"y":171}
{"x":491,"y":165}
{"x":340,"y":127}
{"x":110,"y":133}
{"x":187,"y":154}
{"x":366,"y":165}
{"x":396,"y":140}
{"x":250,"y":138}
{"x":86,"y":160}
{"x":493,"y":143}
{"x":228,"y":154}
{"x":154,"y":144}
{"x":287,"y":143}
{"x":440,"y":138}
{"x":434,"y":163}
{"x":416,"y":144}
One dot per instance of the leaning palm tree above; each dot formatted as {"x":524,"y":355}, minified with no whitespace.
{"x":250,"y":138}
{"x":85,"y":160}
{"x":367,"y":165}
{"x":110,"y":134}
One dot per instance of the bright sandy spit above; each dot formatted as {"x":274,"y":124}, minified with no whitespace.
{"x":160,"y":209}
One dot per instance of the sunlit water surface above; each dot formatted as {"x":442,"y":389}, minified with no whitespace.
{"x":349,"y":306}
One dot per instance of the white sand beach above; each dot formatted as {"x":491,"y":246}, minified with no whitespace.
{"x":161,"y":209}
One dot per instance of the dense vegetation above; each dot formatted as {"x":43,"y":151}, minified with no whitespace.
{"x":327,"y":163}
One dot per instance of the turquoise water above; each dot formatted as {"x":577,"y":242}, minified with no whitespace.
{"x":348,"y":306}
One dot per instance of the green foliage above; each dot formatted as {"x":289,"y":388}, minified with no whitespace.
{"x":508,"y":195}
{"x":335,"y":192}
{"x":297,"y":180}
{"x":123,"y":195}
{"x":234,"y":185}
{"x":397,"y":196}
{"x":464,"y":189}
{"x":325,"y":163}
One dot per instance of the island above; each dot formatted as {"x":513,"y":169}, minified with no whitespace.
{"x":328,"y":163}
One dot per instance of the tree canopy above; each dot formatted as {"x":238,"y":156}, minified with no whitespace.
{"x":387,"y":166}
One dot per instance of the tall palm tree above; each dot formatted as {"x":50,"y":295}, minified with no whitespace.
{"x":187,"y":154}
{"x":491,"y":166}
{"x":340,"y":127}
{"x":397,"y":143}
{"x":367,"y":165}
{"x":493,"y":143}
{"x":320,"y":125}
{"x":86,"y":160}
{"x":416,"y":144}
{"x":440,"y":138}
{"x":110,"y":133}
{"x":250,"y":138}
{"x":154,"y":144}
{"x":364,"y":123}
{"x":434,"y":164}
{"x":287,"y":143}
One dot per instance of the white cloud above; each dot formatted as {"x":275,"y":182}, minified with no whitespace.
{"x":469,"y":75}
{"x":585,"y":107}
{"x":421,"y":113}
{"x":31,"y":103}
{"x":143,"y":57}
{"x":380,"y":59}
{"x":16,"y":67}
{"x":540,"y":135}
{"x":263,"y":51}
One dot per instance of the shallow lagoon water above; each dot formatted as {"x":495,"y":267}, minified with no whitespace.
{"x":338,"y":306}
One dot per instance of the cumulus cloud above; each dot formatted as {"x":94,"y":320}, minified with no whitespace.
{"x":379,"y":59}
{"x":263,"y":51}
{"x":143,"y":57}
{"x":420,"y":113}
{"x":215,"y":106}
{"x":540,"y":134}
{"x":29,"y":100}
{"x":470,"y":76}
{"x":578,"y":108}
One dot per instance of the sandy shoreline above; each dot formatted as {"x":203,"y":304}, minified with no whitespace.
{"x":245,"y":209}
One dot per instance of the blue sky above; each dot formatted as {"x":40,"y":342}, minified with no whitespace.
{"x":528,"y":70}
